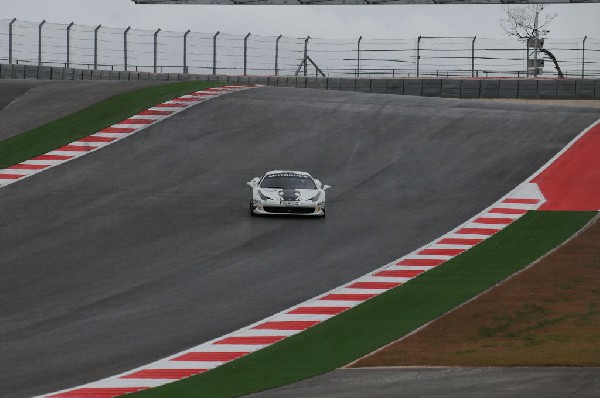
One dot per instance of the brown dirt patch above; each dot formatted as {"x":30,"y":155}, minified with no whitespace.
{"x":548,"y":315}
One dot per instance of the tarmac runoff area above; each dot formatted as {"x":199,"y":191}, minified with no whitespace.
{"x":145,"y":248}
{"x":27,"y":104}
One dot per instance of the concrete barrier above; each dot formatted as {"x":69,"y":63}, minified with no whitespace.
{"x":413,"y":87}
{"x":508,"y":89}
{"x":528,"y":89}
{"x":547,"y":89}
{"x":378,"y":86}
{"x":31,"y":72}
{"x":470,"y":88}
{"x":435,"y":87}
{"x":585,"y":89}
{"x":362,"y":85}
{"x":565,"y":89}
{"x":450,"y":88}
{"x":45,"y":72}
{"x":334,"y":83}
{"x":395,"y":86}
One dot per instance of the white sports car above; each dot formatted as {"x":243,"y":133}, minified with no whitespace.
{"x":287,"y":192}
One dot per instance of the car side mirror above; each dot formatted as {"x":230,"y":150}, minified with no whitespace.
{"x":326,"y":187}
{"x":252,"y":183}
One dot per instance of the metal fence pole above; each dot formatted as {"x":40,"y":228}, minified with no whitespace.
{"x":69,"y":43}
{"x":156,"y":49}
{"x":215,"y":53}
{"x":277,"y":55}
{"x":185,"y":35}
{"x":246,"y":52}
{"x":96,"y":46}
{"x":473,"y":56}
{"x":40,"y":42}
{"x":583,"y":58}
{"x":306,"y":53}
{"x":125,"y":47}
{"x":358,"y":58}
{"x":418,"y":54}
{"x":10,"y":40}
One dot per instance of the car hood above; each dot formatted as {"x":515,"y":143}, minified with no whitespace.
{"x":289,"y":194}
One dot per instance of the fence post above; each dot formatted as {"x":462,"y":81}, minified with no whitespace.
{"x":96,"y":46}
{"x":473,"y":56}
{"x":10,"y":40}
{"x":358,"y":58}
{"x":306,"y":53}
{"x":40,"y":42}
{"x":583,"y":58}
{"x":69,"y":43}
{"x":125,"y":47}
{"x":185,"y":35}
{"x":277,"y":55}
{"x":215,"y":52}
{"x":418,"y":54}
{"x":246,"y":52}
{"x":156,"y":49}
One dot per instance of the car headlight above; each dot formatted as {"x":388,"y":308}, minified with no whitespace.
{"x":263,"y":197}
{"x":316,"y":197}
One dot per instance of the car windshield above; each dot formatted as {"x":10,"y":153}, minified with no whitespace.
{"x":287,"y":181}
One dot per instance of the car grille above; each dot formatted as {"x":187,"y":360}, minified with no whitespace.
{"x":289,"y":210}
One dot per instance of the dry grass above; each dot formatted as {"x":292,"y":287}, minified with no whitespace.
{"x":549,"y":315}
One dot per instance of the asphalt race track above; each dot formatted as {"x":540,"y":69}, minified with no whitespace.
{"x":146,"y":247}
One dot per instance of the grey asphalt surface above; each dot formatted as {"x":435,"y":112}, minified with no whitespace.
{"x":147,"y":248}
{"x":27,"y":104}
{"x":446,"y":382}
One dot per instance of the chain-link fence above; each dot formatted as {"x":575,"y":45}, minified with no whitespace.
{"x":99,"y":47}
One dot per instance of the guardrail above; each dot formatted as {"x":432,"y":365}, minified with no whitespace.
{"x":588,"y":89}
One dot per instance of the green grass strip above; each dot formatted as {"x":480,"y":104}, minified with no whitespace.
{"x":80,"y":124}
{"x":385,"y":318}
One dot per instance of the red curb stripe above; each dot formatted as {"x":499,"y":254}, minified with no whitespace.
{"x":425,"y":262}
{"x":117,"y":130}
{"x":477,"y":231}
{"x":97,"y":392}
{"x":172,"y":374}
{"x":253,"y":340}
{"x":459,"y":241}
{"x":488,"y":220}
{"x":149,"y":112}
{"x":319,"y":310}
{"x":373,"y":285}
{"x":53,"y":157}
{"x":348,"y":297}
{"x":441,"y":252}
{"x":504,"y":210}
{"x":93,"y":138}
{"x":22,"y":166}
{"x":287,"y":325}
{"x":10,"y":176}
{"x":210,"y":356}
{"x":137,"y":121}
{"x":76,"y":148}
{"x":400,"y":273}
{"x":173,"y":105}
{"x":186,"y":99}
{"x":522,"y":201}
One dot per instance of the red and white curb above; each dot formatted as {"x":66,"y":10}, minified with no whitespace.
{"x":109,"y":135}
{"x":266,"y":332}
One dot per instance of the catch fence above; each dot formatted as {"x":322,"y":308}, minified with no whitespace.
{"x":129,"y":49}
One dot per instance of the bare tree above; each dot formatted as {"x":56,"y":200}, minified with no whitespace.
{"x":528,"y":22}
